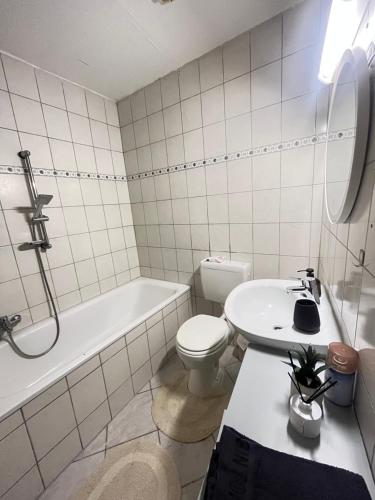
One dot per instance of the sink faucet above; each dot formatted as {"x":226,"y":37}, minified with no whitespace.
{"x":311,"y":283}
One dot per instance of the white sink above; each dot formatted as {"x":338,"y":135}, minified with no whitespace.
{"x":262,"y":311}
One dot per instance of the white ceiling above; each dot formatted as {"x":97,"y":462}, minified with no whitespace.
{"x":118,"y":46}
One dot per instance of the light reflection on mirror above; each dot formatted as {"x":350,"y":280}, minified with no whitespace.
{"x":341,"y":141}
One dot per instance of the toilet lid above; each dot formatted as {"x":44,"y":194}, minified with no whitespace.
{"x":201,"y":333}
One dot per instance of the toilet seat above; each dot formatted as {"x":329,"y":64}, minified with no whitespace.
{"x":202,"y":334}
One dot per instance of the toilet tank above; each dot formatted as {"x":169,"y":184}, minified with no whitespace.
{"x":220,"y":276}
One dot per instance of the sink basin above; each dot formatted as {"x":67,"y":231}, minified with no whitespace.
{"x":262,"y":311}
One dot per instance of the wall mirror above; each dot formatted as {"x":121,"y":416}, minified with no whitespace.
{"x":347,"y":133}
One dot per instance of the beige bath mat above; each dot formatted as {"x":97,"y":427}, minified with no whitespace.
{"x":185,"y":417}
{"x":134,"y":471}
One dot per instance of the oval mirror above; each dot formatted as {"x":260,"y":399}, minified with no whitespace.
{"x":347,"y":132}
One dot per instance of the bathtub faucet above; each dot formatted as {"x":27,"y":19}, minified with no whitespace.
{"x":8,"y":323}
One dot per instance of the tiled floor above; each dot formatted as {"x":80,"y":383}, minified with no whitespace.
{"x":135,"y":422}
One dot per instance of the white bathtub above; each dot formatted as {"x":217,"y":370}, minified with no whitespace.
{"x":86,"y":329}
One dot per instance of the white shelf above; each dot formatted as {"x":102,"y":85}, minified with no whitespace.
{"x":259,"y":409}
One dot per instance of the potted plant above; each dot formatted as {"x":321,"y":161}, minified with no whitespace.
{"x":307,"y":373}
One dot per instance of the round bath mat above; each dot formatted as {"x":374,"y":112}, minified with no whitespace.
{"x":134,"y":471}
{"x":185,"y":417}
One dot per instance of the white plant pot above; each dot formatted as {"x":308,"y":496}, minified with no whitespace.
{"x":305,"y":390}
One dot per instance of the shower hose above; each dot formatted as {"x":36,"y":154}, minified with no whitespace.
{"x":10,"y":338}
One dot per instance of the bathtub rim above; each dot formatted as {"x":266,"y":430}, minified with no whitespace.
{"x":76,"y":362}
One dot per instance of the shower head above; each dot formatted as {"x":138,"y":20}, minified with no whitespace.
{"x":40,"y":201}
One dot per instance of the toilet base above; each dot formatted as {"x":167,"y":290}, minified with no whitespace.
{"x":206,"y":380}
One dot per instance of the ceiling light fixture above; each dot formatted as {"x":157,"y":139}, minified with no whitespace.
{"x":342,"y":26}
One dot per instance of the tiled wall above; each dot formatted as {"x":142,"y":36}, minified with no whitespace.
{"x":352,"y":288}
{"x":75,"y":141}
{"x":38,"y":441}
{"x":224,"y":157}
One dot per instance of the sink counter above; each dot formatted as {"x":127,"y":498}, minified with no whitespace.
{"x":259,"y":409}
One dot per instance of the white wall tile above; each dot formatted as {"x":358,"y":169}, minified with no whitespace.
{"x":156,"y":127}
{"x":75,"y":98}
{"x":9,"y":148}
{"x":62,"y":155}
{"x":124,"y":111}
{"x":28,"y":114}
{"x":80,"y":128}
{"x":153,"y":97}
{"x":95,"y":106}
{"x":57,"y":123}
{"x":266,"y":126}
{"x":239,"y":175}
{"x":218,"y":209}
{"x":266,"y":238}
{"x":189,"y":80}
{"x":300,"y":73}
{"x":3,"y":83}
{"x":214,"y":139}
{"x":266,"y":171}
{"x":193,"y":142}
{"x":50,"y":89}
{"x":301,"y":26}
{"x":141,"y":132}
{"x":266,"y":85}
{"x":266,"y":205}
{"x":20,"y":77}
{"x":111,"y":113}
{"x":297,"y":167}
{"x":16,"y":457}
{"x":6,"y":112}
{"x":175,"y":150}
{"x":219,"y":237}
{"x":238,"y":133}
{"x":236,"y":57}
{"x":213,"y":105}
{"x":211,"y":69}
{"x":237,"y":96}
{"x":265,"y":42}
{"x":100,"y":137}
{"x":159,"y":155}
{"x":294,"y":239}
{"x":240,"y":207}
{"x":191,"y":110}
{"x":298,"y":117}
{"x":170,"y":91}
{"x":295,"y":204}
{"x":138,"y":105}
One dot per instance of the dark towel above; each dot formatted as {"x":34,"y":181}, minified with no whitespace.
{"x":242,"y":469}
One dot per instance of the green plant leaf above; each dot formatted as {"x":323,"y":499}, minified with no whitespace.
{"x":321,"y":369}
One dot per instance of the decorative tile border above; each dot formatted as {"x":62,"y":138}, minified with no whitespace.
{"x":238,"y":155}
{"x":62,"y":173}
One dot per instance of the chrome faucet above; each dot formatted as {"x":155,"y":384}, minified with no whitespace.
{"x":311,"y":283}
{"x":7,"y":324}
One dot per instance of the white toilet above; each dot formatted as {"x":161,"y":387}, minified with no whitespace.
{"x":202,"y":339}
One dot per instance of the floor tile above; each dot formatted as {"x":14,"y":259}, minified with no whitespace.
{"x":98,"y":444}
{"x":148,"y":438}
{"x":191,"y":491}
{"x":168,"y":373}
{"x":133,"y":421}
{"x":192,"y":459}
{"x":73,"y":477}
{"x":145,"y":388}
